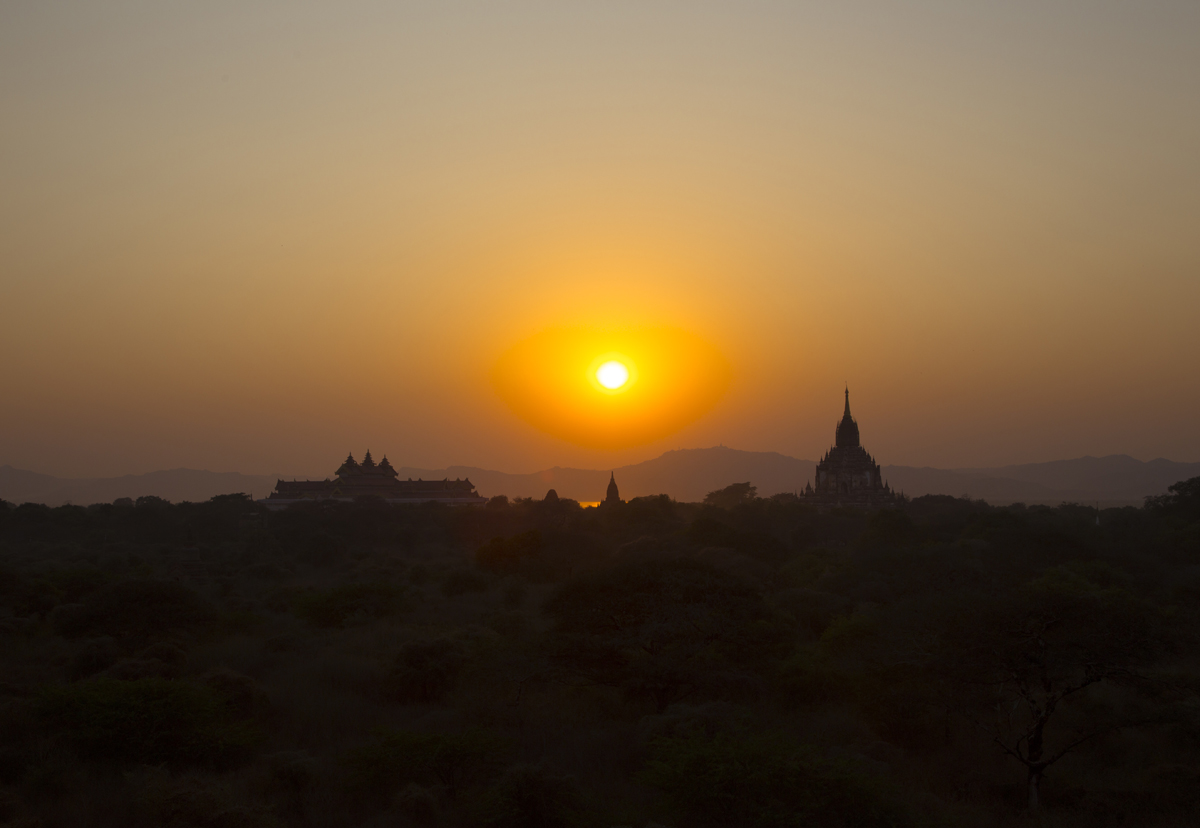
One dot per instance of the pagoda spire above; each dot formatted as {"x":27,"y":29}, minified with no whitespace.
{"x":612,"y":495}
{"x":386,"y":467}
{"x":348,"y":467}
{"x":846,"y":435}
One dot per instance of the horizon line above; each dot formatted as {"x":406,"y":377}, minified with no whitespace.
{"x":449,"y":466}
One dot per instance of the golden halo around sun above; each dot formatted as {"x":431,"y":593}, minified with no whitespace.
{"x":611,"y":388}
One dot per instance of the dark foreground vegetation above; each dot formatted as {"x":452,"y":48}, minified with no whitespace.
{"x":744,"y":662}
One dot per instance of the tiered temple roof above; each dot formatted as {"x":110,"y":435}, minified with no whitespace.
{"x":847,"y":475}
{"x":369,"y":479}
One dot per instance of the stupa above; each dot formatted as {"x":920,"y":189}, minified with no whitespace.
{"x":847,"y":475}
{"x":612,"y":497}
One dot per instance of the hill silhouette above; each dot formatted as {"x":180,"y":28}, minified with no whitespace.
{"x":689,"y":474}
{"x":685,"y":474}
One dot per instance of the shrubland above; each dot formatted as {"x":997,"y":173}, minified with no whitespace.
{"x":740,"y":662}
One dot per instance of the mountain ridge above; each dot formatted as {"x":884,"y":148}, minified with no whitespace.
{"x":685,"y":474}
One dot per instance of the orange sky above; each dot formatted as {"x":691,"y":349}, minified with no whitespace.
{"x":254,"y":236}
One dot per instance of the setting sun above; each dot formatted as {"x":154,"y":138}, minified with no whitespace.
{"x":612,"y":375}
{"x":611,"y":388}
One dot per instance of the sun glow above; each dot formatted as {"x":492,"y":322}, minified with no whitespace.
{"x":612,"y":375}
{"x":611,"y":389}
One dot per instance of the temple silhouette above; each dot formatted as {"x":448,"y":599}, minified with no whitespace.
{"x":847,"y":475}
{"x":369,"y":479}
{"x":612,"y":497}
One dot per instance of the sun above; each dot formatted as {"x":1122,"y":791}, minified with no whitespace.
{"x":612,"y":375}
{"x":611,"y":388}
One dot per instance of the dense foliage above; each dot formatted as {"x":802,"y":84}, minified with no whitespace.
{"x":739,"y":662}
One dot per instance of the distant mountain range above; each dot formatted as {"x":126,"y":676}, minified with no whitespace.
{"x":687,"y":475}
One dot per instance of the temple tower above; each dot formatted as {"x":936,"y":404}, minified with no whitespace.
{"x":613,"y":496}
{"x":847,"y":475}
{"x":846,"y":435}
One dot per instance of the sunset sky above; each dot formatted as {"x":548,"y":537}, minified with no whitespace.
{"x":255,"y":236}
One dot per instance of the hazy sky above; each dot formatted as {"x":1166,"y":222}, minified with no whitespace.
{"x":254,"y":236}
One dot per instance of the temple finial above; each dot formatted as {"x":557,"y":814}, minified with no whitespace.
{"x":847,"y":399}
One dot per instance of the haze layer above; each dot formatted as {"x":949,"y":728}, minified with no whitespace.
{"x":254,"y":236}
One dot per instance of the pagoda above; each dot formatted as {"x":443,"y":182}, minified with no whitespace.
{"x":371,"y":479}
{"x":847,"y":475}
{"x":613,"y":496}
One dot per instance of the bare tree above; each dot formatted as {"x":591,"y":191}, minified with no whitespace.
{"x":1017,"y":666}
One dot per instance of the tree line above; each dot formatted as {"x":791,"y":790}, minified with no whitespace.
{"x":743,"y":661}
